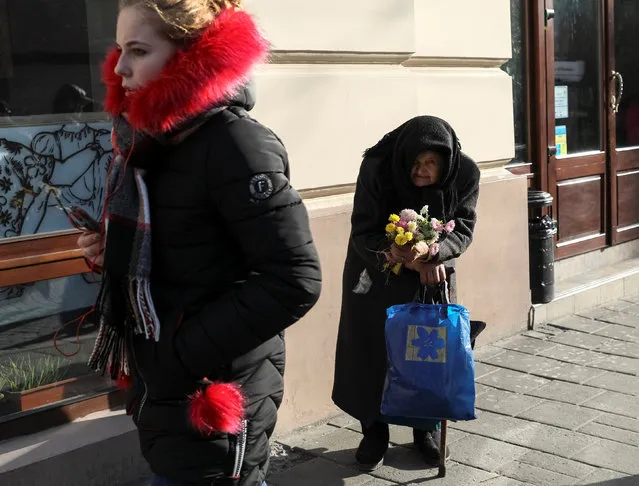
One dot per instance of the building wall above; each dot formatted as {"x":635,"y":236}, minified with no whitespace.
{"x":342,"y":74}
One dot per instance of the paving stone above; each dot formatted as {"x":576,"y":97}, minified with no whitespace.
{"x":611,"y":433}
{"x":485,"y":453}
{"x":486,"y":351}
{"x":592,"y":359}
{"x":525,"y":433}
{"x":503,"y":481}
{"x":403,"y":436}
{"x":619,"y":305}
{"x":526,"y":344}
{"x":557,"y":464}
{"x":536,"y":334}
{"x":611,"y":455}
{"x":566,"y":392}
{"x":621,"y":318}
{"x":319,"y":472}
{"x":578,"y":323}
{"x":480,"y":389}
{"x":605,"y":477}
{"x":618,"y":382}
{"x":620,"y":348}
{"x":402,"y":465}
{"x":545,"y":367}
{"x":330,"y":442}
{"x":618,"y":421}
{"x":619,"y":313}
{"x":535,"y":475}
{"x":508,"y":403}
{"x":564,"y":415}
{"x":513,"y":381}
{"x":622,"y":333}
{"x":578,"y":339}
{"x":597,"y":343}
{"x":616,"y":403}
{"x":342,"y":420}
{"x":378,"y":482}
{"x":483,"y":369}
{"x":456,"y":475}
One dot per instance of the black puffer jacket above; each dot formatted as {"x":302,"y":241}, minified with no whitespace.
{"x":233,"y":260}
{"x":236,"y":272}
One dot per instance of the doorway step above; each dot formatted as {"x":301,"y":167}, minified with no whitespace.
{"x":590,"y":280}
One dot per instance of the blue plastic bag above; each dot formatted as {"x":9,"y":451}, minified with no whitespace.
{"x":431,"y":371}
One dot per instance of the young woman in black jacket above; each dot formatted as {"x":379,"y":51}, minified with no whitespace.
{"x":419,"y":163}
{"x":208,"y":254}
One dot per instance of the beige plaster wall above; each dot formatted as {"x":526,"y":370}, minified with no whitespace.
{"x":342,"y":74}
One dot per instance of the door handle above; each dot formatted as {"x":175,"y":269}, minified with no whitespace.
{"x":615,"y":99}
{"x":549,"y":14}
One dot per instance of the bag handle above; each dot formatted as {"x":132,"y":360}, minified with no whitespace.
{"x":433,"y":294}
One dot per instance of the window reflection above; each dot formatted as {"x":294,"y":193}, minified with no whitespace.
{"x":32,"y":372}
{"x":578,"y":97}
{"x":516,"y":68}
{"x":627,"y":64}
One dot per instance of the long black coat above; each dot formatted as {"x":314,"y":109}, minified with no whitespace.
{"x":360,"y":361}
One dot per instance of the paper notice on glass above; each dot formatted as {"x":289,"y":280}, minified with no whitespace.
{"x":561,"y":102}
{"x":561,"y":140}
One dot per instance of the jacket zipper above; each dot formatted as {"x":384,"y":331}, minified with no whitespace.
{"x":146,"y":391}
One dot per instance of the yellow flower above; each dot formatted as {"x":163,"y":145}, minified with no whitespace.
{"x":400,"y":230}
{"x":390,"y":227}
{"x":412,"y":226}
{"x":393,"y":218}
{"x":409,"y":236}
{"x":400,"y":240}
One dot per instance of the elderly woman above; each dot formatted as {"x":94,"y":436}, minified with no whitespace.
{"x":419,"y":163}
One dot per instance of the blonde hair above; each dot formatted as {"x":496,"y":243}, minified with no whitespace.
{"x":183,"y":19}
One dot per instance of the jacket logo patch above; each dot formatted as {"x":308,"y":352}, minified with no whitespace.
{"x":261,"y":187}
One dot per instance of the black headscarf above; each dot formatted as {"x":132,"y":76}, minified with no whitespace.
{"x":400,"y":148}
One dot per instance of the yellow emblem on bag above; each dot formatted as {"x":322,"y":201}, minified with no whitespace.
{"x":425,"y":343}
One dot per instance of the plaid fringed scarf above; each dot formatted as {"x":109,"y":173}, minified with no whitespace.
{"x":124,"y":302}
{"x":124,"y":305}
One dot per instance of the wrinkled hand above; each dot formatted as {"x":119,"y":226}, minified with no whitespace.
{"x":91,"y":245}
{"x":429,"y":273}
{"x":402,"y":254}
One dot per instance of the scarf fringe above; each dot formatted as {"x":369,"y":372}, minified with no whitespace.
{"x":146,"y":319}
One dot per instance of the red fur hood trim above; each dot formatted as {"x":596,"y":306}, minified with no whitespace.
{"x":207,"y":72}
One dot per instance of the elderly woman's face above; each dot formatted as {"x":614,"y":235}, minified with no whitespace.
{"x":426,"y":169}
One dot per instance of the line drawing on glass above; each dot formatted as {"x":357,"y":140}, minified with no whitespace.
{"x":72,"y":158}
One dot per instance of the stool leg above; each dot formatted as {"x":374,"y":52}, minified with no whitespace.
{"x":442,"y":451}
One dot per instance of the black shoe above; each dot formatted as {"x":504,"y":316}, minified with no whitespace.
{"x":428,"y":444}
{"x":373,"y":447}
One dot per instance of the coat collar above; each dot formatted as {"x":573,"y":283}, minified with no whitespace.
{"x":209,"y":71}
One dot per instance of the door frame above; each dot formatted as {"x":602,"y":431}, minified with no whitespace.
{"x":551,"y":170}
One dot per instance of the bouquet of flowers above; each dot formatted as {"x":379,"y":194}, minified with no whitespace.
{"x":417,"y":230}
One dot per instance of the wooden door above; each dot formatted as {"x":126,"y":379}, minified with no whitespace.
{"x":577,"y":123}
{"x":623,"y":117}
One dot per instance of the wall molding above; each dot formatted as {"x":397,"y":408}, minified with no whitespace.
{"x":406,"y":59}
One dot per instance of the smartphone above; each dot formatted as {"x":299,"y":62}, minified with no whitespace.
{"x":77,"y":216}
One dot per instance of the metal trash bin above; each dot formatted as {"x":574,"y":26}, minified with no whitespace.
{"x":541,"y":233}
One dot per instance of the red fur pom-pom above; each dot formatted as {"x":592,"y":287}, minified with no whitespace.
{"x":124,"y":382}
{"x":217,"y":408}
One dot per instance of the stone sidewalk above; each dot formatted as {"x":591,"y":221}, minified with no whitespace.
{"x":557,"y":406}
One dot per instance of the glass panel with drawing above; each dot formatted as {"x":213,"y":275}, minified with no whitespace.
{"x":52,"y":129}
{"x":578,"y":95}
{"x":72,"y":158}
